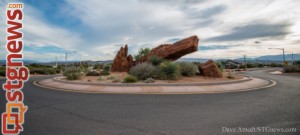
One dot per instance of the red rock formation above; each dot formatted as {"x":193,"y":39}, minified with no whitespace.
{"x":122,"y":62}
{"x":173,"y":51}
{"x":210,"y":69}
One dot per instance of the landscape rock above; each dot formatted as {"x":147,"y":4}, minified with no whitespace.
{"x":173,"y":51}
{"x":210,"y":69}
{"x":122,"y":62}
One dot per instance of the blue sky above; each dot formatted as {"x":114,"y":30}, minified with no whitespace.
{"x":96,"y":29}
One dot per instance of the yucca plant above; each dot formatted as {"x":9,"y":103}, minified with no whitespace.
{"x":169,"y":71}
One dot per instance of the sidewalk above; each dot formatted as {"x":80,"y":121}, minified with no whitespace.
{"x":253,"y":84}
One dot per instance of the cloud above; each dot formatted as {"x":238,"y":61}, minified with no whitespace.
{"x":254,"y":30}
{"x":94,"y":28}
{"x":216,"y":47}
{"x":208,"y":12}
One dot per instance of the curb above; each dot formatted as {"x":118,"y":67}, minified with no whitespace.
{"x":248,"y":78}
{"x":271,"y":84}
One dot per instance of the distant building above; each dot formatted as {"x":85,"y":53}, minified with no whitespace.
{"x":230,"y":64}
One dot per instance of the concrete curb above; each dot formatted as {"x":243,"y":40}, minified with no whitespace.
{"x":248,"y":78}
{"x":271,"y":84}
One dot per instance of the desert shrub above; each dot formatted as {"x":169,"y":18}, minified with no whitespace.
{"x":72,"y":73}
{"x":155,"y":60}
{"x":40,"y":71}
{"x":92,"y":73}
{"x":116,"y":80}
{"x":230,"y":77}
{"x":73,"y":76}
{"x":149,"y":80}
{"x":187,"y":69}
{"x":53,"y":71}
{"x":104,"y":72}
{"x":101,"y":78}
{"x":297,"y":62}
{"x":291,"y":69}
{"x":275,"y":65}
{"x":110,"y":77}
{"x":98,"y":66}
{"x":107,"y":68}
{"x":169,"y":71}
{"x":196,"y":63}
{"x":142,"y":71}
{"x":142,"y":52}
{"x":130,"y":79}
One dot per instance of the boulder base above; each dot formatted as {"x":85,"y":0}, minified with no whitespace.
{"x":210,"y":69}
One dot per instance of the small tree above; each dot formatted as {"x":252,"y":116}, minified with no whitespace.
{"x":142,"y":52}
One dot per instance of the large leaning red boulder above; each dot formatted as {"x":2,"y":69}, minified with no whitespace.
{"x":210,"y":69}
{"x":122,"y":62}
{"x":173,"y":51}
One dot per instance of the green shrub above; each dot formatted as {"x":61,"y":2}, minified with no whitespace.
{"x":98,"y":66}
{"x":142,"y":52}
{"x":107,"y":68}
{"x":130,"y":79}
{"x":291,"y":69}
{"x":142,"y":71}
{"x":221,"y":66}
{"x":155,"y":60}
{"x":105,"y":73}
{"x":169,"y":71}
{"x":187,"y":69}
{"x":149,"y":80}
{"x":92,"y":73}
{"x":72,"y":73}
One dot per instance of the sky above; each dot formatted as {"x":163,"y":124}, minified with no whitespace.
{"x":97,"y":29}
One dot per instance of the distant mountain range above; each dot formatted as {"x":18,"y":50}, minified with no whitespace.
{"x":261,"y":59}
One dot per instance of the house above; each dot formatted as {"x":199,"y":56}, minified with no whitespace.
{"x":230,"y":64}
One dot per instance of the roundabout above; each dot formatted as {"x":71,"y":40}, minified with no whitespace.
{"x":62,"y":112}
{"x":244,"y":84}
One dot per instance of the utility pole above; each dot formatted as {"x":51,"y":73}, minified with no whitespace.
{"x":245,"y":62}
{"x":292,"y":57}
{"x":66,"y":58}
{"x":283,"y":54}
{"x":56,"y":61}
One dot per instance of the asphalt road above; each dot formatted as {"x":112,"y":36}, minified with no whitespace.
{"x":62,"y":113}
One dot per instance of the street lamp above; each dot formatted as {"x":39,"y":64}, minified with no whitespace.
{"x":292,"y":57}
{"x":282,"y":53}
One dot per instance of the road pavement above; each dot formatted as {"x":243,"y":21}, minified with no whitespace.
{"x":65,"y":113}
